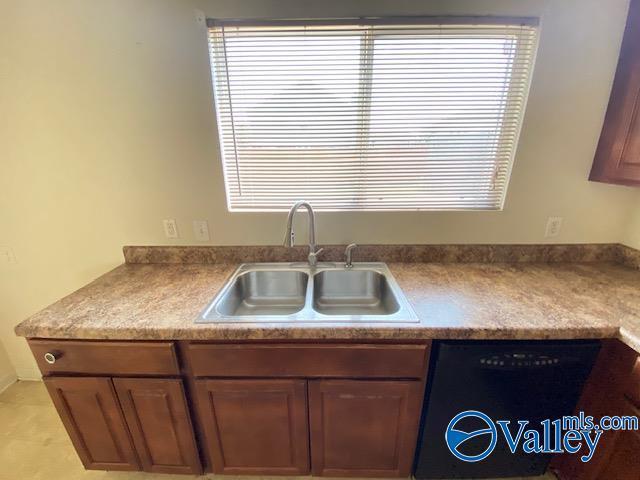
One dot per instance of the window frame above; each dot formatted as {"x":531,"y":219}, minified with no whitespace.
{"x":401,"y":21}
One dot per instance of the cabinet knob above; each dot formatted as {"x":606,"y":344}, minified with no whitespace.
{"x":51,"y":357}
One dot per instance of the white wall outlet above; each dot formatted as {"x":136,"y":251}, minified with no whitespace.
{"x":170,"y":228}
{"x":554,"y":224}
{"x":7,"y":255}
{"x":201,"y":230}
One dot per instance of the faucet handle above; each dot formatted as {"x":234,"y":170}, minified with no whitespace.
{"x":313,"y":257}
{"x":347,"y":255}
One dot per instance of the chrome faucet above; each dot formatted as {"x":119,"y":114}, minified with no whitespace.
{"x":347,"y":255}
{"x":289,"y":235}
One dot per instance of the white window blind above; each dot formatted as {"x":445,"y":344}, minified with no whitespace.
{"x":414,"y":114}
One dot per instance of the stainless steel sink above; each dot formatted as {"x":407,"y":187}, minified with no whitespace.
{"x":353,"y":292}
{"x":297,"y":292}
{"x":265,"y":292}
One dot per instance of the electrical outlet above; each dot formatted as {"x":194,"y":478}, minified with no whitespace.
{"x":170,"y":228}
{"x":201,"y":230}
{"x":554,"y":224}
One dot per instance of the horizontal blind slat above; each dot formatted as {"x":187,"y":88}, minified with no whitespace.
{"x":372,"y":116}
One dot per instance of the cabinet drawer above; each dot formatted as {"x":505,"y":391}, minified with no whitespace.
{"x":105,"y":358}
{"x":633,"y":387}
{"x":308,"y":360}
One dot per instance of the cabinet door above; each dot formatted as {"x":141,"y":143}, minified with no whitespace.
{"x":255,"y":426}
{"x":90,"y":412}
{"x":603,"y":394}
{"x":364,"y":428}
{"x":623,"y":461}
{"x":617,"y":158}
{"x":158,"y":419}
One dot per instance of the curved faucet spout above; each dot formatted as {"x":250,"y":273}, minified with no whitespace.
{"x":289,"y":234}
{"x":348,"y":252}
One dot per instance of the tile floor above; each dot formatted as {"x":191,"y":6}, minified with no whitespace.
{"x":35,"y":446}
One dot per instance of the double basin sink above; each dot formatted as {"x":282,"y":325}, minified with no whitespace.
{"x":297,"y":292}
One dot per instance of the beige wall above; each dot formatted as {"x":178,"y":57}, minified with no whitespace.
{"x":7,"y":372}
{"x":632,"y":237}
{"x":107,"y":128}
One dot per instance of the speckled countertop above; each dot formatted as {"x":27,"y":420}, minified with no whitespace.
{"x":454,"y":301}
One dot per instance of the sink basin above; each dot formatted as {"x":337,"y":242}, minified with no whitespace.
{"x":265,"y":292}
{"x":297,"y":292}
{"x":353,"y":292}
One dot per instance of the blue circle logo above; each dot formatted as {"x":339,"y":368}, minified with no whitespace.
{"x":455,"y":438}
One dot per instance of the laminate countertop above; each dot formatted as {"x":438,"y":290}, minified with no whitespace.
{"x":452,"y":301}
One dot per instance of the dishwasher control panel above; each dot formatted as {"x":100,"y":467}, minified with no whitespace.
{"x":511,"y":360}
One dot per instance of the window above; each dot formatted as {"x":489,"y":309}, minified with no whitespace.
{"x":417,"y":114}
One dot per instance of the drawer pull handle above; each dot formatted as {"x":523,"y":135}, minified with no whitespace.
{"x":51,"y":357}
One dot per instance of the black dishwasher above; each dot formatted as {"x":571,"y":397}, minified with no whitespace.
{"x":507,"y":380}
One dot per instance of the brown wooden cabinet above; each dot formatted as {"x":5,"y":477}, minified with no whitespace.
{"x":332,"y":409}
{"x":127,"y":423}
{"x":256,"y":426}
{"x":117,"y":422}
{"x":363,"y":428}
{"x":90,"y":412}
{"x":358,"y":427}
{"x":608,"y":392}
{"x":158,"y":418}
{"x":617,"y":158}
{"x":361,"y":418}
{"x":622,"y":452}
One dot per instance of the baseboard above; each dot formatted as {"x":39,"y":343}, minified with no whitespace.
{"x":6,"y":381}
{"x":28,"y":374}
